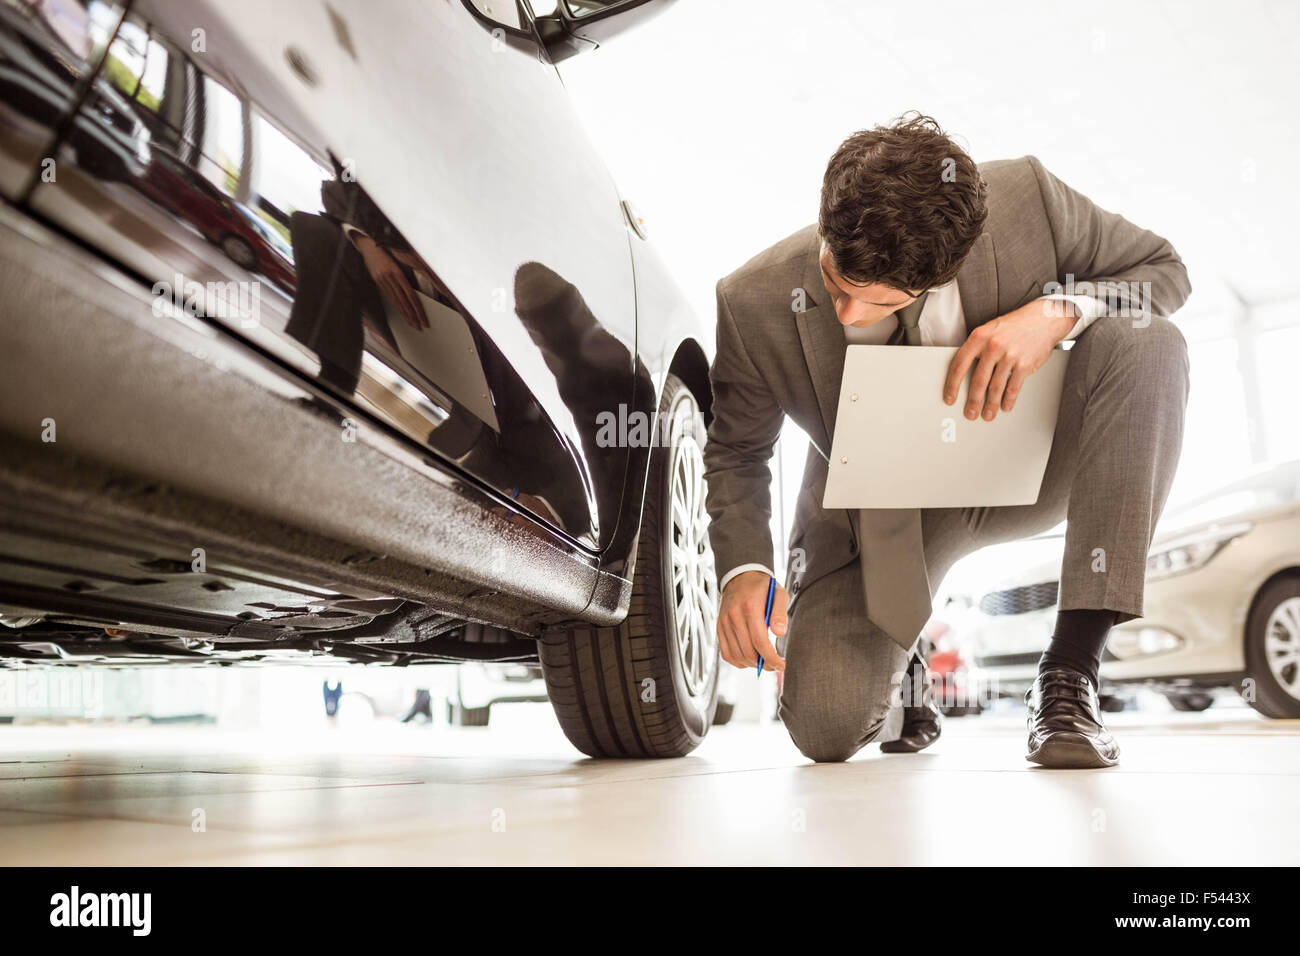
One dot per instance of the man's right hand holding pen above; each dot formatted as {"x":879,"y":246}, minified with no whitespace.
{"x":742,"y":635}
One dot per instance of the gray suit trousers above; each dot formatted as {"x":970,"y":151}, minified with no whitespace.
{"x":1118,"y":437}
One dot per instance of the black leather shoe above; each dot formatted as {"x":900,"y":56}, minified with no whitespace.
{"x":922,"y":722}
{"x":1065,"y":729}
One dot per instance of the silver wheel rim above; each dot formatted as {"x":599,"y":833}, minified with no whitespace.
{"x":1282,"y":645}
{"x":694,"y":591}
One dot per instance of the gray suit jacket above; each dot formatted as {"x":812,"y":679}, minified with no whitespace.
{"x":773,"y":360}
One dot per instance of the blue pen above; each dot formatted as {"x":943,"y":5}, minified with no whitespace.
{"x":767,"y":616}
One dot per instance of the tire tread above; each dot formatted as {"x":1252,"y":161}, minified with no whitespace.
{"x":594,"y":674}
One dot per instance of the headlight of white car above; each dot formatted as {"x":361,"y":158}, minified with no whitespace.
{"x":1190,"y":552}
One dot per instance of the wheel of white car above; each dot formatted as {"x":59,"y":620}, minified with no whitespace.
{"x":1272,"y":684}
{"x":649,"y":687}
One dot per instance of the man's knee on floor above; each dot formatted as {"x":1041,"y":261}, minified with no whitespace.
{"x":827,"y":737}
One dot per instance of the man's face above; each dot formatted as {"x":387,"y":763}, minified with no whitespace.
{"x":860,"y":305}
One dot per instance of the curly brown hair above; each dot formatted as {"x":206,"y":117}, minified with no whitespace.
{"x":901,"y":205}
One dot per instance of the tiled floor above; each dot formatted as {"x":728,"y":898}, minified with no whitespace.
{"x":1214,"y":788}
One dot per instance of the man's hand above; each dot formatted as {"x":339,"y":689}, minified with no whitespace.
{"x":392,"y":282}
{"x":742,"y":635}
{"x":1005,"y":352}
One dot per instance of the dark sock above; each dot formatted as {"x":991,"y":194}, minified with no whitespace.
{"x":1078,"y":641}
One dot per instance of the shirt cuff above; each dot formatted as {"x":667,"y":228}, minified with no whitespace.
{"x":352,"y":232}
{"x":1089,"y":310}
{"x":722,"y":585}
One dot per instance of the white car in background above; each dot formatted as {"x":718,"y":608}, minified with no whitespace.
{"x":1222,"y":602}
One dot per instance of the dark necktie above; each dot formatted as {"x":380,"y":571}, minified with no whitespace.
{"x":909,"y":323}
{"x":894,"y":576}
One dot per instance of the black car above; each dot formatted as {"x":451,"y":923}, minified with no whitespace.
{"x":450,"y":407}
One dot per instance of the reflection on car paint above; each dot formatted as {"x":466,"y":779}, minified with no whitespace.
{"x":195,"y":173}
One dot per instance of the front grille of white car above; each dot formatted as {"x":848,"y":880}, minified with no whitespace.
{"x":1021,"y":600}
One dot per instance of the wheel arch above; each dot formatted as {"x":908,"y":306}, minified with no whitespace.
{"x":691,"y":365}
{"x":1265,"y":699}
{"x":1290,"y":571}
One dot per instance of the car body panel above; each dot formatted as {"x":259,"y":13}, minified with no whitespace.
{"x":375,"y":110}
{"x":238,"y":124}
{"x":266,"y":488}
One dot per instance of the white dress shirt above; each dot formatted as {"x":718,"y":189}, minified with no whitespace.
{"x":942,"y":322}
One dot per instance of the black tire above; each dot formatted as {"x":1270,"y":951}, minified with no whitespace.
{"x":1190,"y":703}
{"x":1261,"y":688}
{"x":624,"y":691}
{"x":724,"y":712}
{"x":459,"y":716}
{"x":238,"y":250}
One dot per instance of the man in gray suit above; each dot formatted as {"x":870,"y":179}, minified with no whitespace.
{"x":917,"y":244}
